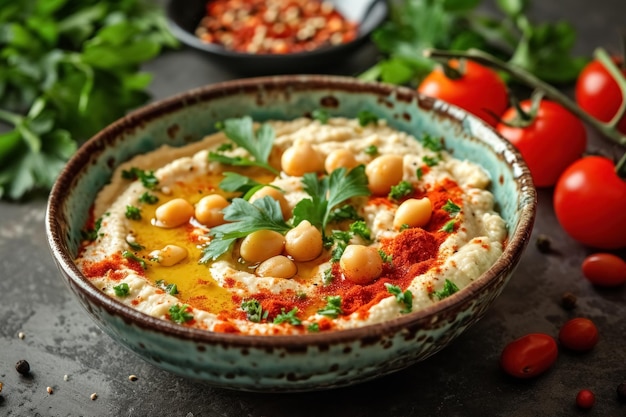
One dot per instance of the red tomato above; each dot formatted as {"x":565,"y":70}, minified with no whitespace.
{"x":553,"y":140}
{"x":604,"y":269}
{"x":480,"y":90}
{"x":598,"y":93}
{"x":590,"y":203}
{"x":529,"y":356}
{"x":579,"y":334}
{"x":585,"y":399}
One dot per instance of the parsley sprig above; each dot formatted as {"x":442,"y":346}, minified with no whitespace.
{"x":403,"y":298}
{"x":258,"y":143}
{"x":288,"y":317}
{"x":179,"y":313}
{"x":448,"y":289}
{"x":242,"y":219}
{"x":254,"y":311}
{"x":332,"y":308}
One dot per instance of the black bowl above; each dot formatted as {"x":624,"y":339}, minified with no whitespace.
{"x":184,"y":17}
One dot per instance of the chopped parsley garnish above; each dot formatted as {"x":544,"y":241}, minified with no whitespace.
{"x":92,"y":234}
{"x":359,"y":228}
{"x":345,"y":212}
{"x":244,"y":218}
{"x":332,"y":308}
{"x":289,"y":317}
{"x":258,"y":143}
{"x":148,"y":198}
{"x":400,"y":190}
{"x":448,"y":227}
{"x":129,"y":255}
{"x":122,"y":290}
{"x":170,"y":289}
{"x":254,"y":310}
{"x":419,"y":173}
{"x":313,"y":327}
{"x":328,"y":276}
{"x":320,"y":115}
{"x":366,"y":117}
{"x":328,"y":192}
{"x":385,"y":256}
{"x":225,"y":147}
{"x":432,"y":143}
{"x":134,"y":245}
{"x":404,"y":226}
{"x":448,"y":289}
{"x":371,"y":150}
{"x":133,"y":213}
{"x":403,"y":298}
{"x":430,"y":161}
{"x":451,"y":208}
{"x":147,"y":178}
{"x":179,"y":314}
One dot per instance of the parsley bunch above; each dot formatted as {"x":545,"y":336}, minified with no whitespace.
{"x":69,"y":68}
{"x":413,"y":26}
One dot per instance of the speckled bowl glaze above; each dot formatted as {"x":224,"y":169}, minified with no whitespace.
{"x":288,"y":363}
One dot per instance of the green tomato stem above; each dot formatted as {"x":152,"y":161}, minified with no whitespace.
{"x":606,"y":129}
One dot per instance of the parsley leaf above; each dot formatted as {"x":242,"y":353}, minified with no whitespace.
{"x":400,"y":190}
{"x":92,"y":234}
{"x":134,"y":245}
{"x":147,"y":178}
{"x":371,"y":150}
{"x":171,"y":289}
{"x":122,"y":290}
{"x":148,"y":198}
{"x":345,"y":212}
{"x":451,"y":208}
{"x":179,"y":314}
{"x":404,"y":298}
{"x":313,"y":327}
{"x":448,"y":227}
{"x":366,"y":117}
{"x":432,"y":143}
{"x":133,"y":213}
{"x":129,"y":255}
{"x":430,"y":161}
{"x":328,"y":192}
{"x":234,"y":182}
{"x":332,"y":308}
{"x":320,"y":115}
{"x":244,"y":218}
{"x":254,"y":311}
{"x":448,"y":289}
{"x":359,"y":228}
{"x":289,"y":317}
{"x":258,"y":144}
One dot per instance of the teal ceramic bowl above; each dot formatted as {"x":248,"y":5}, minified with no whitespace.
{"x":288,"y":363}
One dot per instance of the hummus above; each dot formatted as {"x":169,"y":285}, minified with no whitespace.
{"x":360,"y":224}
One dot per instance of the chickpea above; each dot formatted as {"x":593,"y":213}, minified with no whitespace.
{"x":261,"y":245}
{"x":174,"y":213}
{"x":303,"y":242}
{"x":278,"y":267}
{"x":169,"y":255}
{"x":340,"y":158}
{"x":276,"y":195}
{"x":413,"y":212}
{"x":209,"y":210}
{"x":301,"y":158}
{"x":361,"y":264}
{"x":383,"y":173}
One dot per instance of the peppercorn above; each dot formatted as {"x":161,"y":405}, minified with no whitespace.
{"x":543,"y":244}
{"x":568,"y":301}
{"x":22,"y":367}
{"x":621,"y":392}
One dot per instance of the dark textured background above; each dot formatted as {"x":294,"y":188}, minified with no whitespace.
{"x":462,"y":380}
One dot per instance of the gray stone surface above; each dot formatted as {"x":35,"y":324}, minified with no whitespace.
{"x":68,"y":352}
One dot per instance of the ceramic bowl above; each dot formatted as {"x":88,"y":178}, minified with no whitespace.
{"x":288,"y":363}
{"x":183,"y":18}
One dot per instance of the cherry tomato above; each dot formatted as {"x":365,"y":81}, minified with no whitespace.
{"x":598,"y":93}
{"x":585,"y":399}
{"x":604,"y":269}
{"x":553,"y":140}
{"x":590,"y":203}
{"x":529,"y":356}
{"x":579,"y":334}
{"x":480,"y":90}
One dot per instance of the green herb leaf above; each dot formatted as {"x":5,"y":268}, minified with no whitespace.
{"x":148,"y":198}
{"x":342,"y":213}
{"x":313,"y":327}
{"x":147,"y":178}
{"x":448,"y":227}
{"x":371,"y":150}
{"x":385,"y":256}
{"x":134,"y":245}
{"x":171,"y":289}
{"x":451,"y":208}
{"x":328,"y":276}
{"x":179,"y":313}
{"x":122,"y":290}
{"x":430,"y":161}
{"x":234,"y":182}
{"x":366,"y":117}
{"x":254,"y":311}
{"x":332,"y":308}
{"x":92,"y":234}
{"x":432,"y":143}
{"x":400,"y":190}
{"x":404,"y":298}
{"x":320,"y":115}
{"x":448,"y":289}
{"x":129,"y":255}
{"x":359,"y":228}
{"x":133,"y":213}
{"x":289,"y":317}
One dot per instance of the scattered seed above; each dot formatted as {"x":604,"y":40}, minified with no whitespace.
{"x":568,"y":301}
{"x":621,"y":392}
{"x":133,"y":378}
{"x":66,"y":377}
{"x":22,"y":367}
{"x":543,"y":244}
{"x":93,"y":396}
{"x":50,"y":390}
{"x":21,"y":335}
